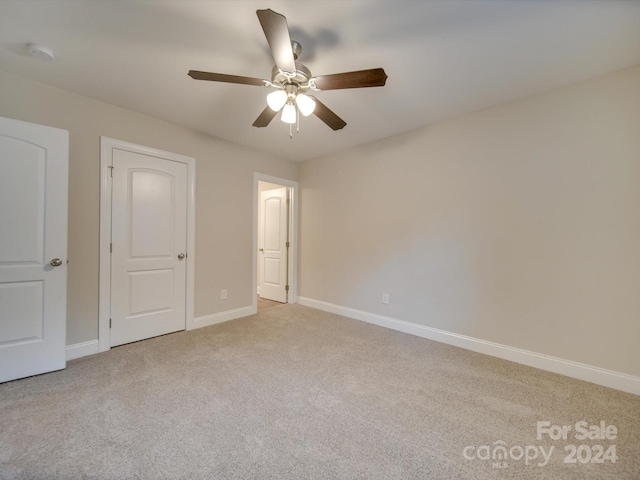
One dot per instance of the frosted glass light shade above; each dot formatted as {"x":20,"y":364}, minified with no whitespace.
{"x":289,"y":113}
{"x":276,"y":100}
{"x":306,"y":104}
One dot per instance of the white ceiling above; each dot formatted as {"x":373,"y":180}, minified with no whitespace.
{"x":443,"y":58}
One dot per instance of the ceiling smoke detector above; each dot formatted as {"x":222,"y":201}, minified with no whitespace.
{"x":41,"y":53}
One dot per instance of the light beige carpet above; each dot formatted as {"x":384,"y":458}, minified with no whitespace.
{"x":295,"y":393}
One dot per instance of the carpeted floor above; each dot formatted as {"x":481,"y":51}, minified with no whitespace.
{"x":295,"y":393}
{"x":264,"y":303}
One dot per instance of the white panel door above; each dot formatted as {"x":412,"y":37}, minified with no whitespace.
{"x":149,"y":241}
{"x":273,"y":244}
{"x":33,"y":248}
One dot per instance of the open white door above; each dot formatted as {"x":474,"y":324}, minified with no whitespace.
{"x":33,"y":248}
{"x":149,"y":238}
{"x":272,"y":242}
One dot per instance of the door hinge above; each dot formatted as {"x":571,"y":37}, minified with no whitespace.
{"x":286,"y":288}
{"x":111,"y":248}
{"x":287,"y":245}
{"x":110,"y":167}
{"x":109,"y":323}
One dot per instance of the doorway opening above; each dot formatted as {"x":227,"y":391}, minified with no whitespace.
{"x":275,"y":241}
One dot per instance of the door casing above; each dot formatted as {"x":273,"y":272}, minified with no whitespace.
{"x":107,"y":145}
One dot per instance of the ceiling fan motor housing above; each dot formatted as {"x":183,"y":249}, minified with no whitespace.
{"x":300,"y":77}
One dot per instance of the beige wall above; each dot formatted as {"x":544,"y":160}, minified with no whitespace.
{"x":224,"y":194}
{"x":518,"y":224}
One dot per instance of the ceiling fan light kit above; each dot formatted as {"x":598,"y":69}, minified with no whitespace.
{"x":289,"y":114}
{"x":293,"y":80}
{"x":306,"y":104}
{"x":276,"y":100}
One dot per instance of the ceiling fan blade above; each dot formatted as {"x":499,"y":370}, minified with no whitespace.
{"x":265,"y":117}
{"x":376,"y":77}
{"x":327,"y":116}
{"x":221,"y":77}
{"x":277,"y":33}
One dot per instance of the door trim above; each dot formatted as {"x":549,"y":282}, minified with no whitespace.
{"x":107,"y":145}
{"x":293,"y":235}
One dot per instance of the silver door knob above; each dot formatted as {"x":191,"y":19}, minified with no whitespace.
{"x":181,"y":256}
{"x":56,"y":262}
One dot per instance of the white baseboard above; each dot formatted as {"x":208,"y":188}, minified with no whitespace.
{"x":213,"y":319}
{"x":83,"y":349}
{"x":581,"y":371}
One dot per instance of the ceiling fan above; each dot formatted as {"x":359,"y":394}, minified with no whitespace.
{"x":292,"y":80}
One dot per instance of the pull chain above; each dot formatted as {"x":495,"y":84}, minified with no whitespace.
{"x":297,"y":124}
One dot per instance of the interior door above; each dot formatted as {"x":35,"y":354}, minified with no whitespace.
{"x":149,"y":239}
{"x":273,"y":230}
{"x":33,"y":248}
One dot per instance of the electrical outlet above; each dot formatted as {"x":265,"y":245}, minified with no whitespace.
{"x":385,"y":298}
{"x":223,"y":294}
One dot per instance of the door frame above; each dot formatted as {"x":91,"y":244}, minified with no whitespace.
{"x":293,"y":235}
{"x":107,"y":145}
